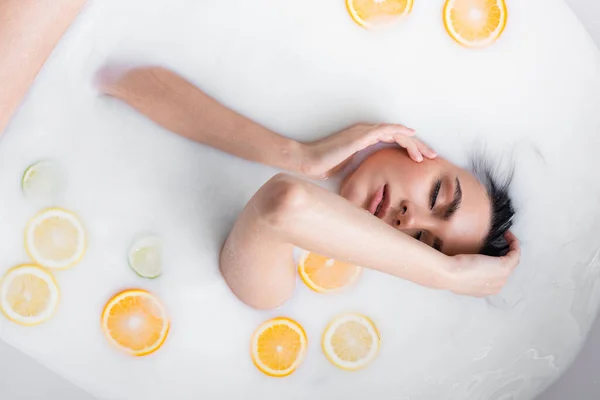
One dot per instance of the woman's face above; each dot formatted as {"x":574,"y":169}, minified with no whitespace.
{"x":434,"y":201}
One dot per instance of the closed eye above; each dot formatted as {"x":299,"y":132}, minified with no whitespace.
{"x":456,"y":201}
{"x":437,"y":243}
{"x":435,"y":191}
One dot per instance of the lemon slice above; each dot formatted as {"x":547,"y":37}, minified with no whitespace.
{"x":145,"y":257}
{"x":324,"y":275}
{"x":136,"y":322}
{"x":29,"y":295}
{"x":475,"y":23}
{"x":278,"y":347}
{"x":351,"y":341}
{"x":43,"y":180}
{"x":371,"y":13}
{"x":55,"y":238}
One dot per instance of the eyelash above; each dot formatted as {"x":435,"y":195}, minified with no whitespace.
{"x":436,"y":192}
{"x":434,"y":196}
{"x":437,"y":244}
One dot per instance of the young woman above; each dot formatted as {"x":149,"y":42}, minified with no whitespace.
{"x":403,"y":211}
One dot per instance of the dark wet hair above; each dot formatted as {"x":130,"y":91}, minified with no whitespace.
{"x":503,"y":211}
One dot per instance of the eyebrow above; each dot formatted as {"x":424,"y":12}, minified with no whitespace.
{"x":456,"y":202}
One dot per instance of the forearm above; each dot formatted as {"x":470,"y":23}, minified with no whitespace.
{"x":29,"y":31}
{"x":314,"y":219}
{"x":177,"y":105}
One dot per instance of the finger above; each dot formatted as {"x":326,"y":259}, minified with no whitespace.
{"x":514,"y":251}
{"x":424,"y":149}
{"x":391,"y":130}
{"x":410,"y":147}
{"x":509,"y":236}
{"x":513,"y":242}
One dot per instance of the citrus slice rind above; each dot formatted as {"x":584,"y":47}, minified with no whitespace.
{"x":29,"y":295}
{"x":326,"y":275}
{"x":475,"y":23}
{"x":42,"y":181}
{"x":351,"y":341}
{"x":55,"y":238}
{"x":373,"y":13}
{"x":145,"y":257}
{"x":135,"y":322}
{"x":278,"y":347}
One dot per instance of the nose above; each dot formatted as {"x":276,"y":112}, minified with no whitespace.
{"x":408,"y":217}
{"x":404,"y":217}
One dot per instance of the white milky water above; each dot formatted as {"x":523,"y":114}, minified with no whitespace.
{"x":305,"y":70}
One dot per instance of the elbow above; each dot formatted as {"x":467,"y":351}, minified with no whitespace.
{"x":280,"y":200}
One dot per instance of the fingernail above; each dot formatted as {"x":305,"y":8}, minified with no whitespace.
{"x":419,"y":158}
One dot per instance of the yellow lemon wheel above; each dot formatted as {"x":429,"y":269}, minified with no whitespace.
{"x":29,"y":295}
{"x":351,"y":341}
{"x":55,"y":239}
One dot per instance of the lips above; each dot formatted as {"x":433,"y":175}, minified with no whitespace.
{"x":380,"y":202}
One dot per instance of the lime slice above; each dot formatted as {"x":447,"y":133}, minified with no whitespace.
{"x":42,"y":180}
{"x":145,"y":257}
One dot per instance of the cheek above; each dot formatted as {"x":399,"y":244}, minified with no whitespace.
{"x":349,"y":189}
{"x":417,"y":190}
{"x":414,"y":181}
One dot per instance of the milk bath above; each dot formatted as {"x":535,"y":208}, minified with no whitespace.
{"x":306,"y":71}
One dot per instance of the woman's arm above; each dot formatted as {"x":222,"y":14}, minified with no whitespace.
{"x":172,"y":102}
{"x":288,"y":211}
{"x":29,"y":30}
{"x":310,"y":217}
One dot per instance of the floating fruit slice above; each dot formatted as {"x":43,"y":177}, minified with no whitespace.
{"x":145,"y":257}
{"x":323,"y":274}
{"x":475,"y":23}
{"x":136,"y":322}
{"x":351,"y":341}
{"x":370,"y":13}
{"x":43,"y":180}
{"x":55,"y":238}
{"x":278,"y":347}
{"x":29,"y":295}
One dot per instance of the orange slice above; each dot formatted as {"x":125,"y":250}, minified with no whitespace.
{"x":136,"y":322}
{"x":475,"y":23}
{"x":370,"y":13}
{"x":278,"y":347}
{"x":323,"y":274}
{"x":351,"y":341}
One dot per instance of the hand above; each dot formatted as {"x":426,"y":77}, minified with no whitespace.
{"x":325,"y":157}
{"x":480,"y":276}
